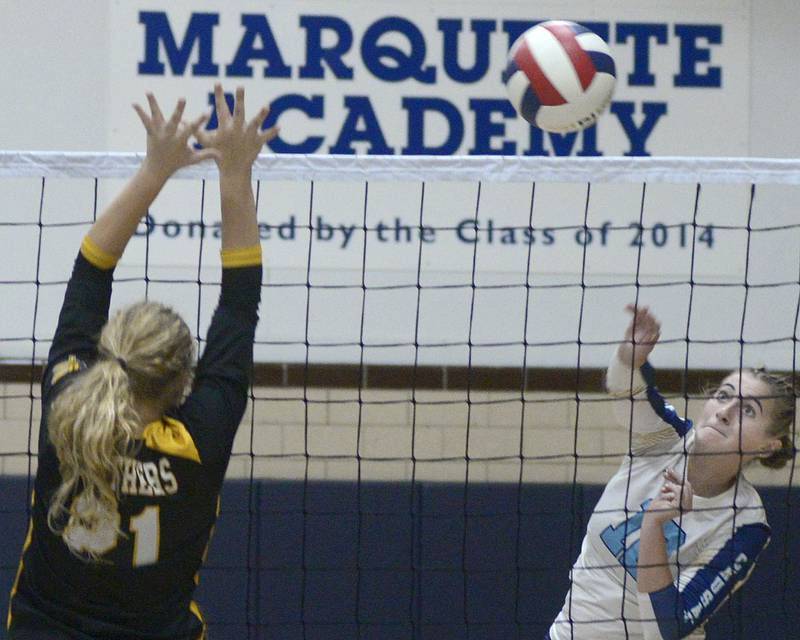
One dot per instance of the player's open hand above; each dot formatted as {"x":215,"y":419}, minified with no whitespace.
{"x":168,"y":146}
{"x":237,"y":141}
{"x":641,"y":337}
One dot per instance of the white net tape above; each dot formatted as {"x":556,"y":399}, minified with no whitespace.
{"x":430,"y":168}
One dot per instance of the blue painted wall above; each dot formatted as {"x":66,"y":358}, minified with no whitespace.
{"x":329,"y":561}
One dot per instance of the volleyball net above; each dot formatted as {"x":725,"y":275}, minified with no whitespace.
{"x":429,"y":362}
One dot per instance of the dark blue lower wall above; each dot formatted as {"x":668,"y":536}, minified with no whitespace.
{"x":332,"y":561}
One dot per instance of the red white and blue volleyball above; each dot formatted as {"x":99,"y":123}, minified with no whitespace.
{"x":560,"y":76}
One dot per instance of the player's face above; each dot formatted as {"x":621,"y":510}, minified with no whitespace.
{"x":736,"y":418}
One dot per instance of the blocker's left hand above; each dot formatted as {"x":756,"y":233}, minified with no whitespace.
{"x":168,"y":146}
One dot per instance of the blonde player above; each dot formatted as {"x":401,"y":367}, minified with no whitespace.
{"x":678,"y":528}
{"x":130,"y":466}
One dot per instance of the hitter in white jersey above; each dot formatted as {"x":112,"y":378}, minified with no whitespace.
{"x":678,"y":528}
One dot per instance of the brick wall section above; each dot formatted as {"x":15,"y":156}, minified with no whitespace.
{"x":396,"y":438}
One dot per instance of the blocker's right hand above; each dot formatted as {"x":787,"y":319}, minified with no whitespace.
{"x":641,"y":337}
{"x":237,"y":142}
{"x":168,"y":146}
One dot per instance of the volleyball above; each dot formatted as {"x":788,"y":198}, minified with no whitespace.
{"x":560,"y":76}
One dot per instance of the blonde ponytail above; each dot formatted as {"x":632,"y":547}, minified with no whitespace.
{"x":93,"y":426}
{"x":146,"y":353}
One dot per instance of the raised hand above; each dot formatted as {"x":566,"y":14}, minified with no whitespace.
{"x":641,"y":337}
{"x":674,"y":498}
{"x":236,"y":141}
{"x":168,"y":146}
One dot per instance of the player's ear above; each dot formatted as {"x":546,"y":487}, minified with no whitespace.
{"x":765,"y":451}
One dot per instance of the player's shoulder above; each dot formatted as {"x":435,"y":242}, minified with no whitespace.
{"x":662,"y":442}
{"x":741,"y":510}
{"x":186,"y":434}
{"x":171,"y":436}
{"x":748,"y":502}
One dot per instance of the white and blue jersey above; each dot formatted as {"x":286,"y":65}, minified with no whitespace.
{"x":711,"y":550}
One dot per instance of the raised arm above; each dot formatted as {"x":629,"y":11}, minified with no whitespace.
{"x":631,"y":379}
{"x":624,"y":376}
{"x":218,"y":400}
{"x":238,"y":144}
{"x":86,"y":303}
{"x":167,"y":151}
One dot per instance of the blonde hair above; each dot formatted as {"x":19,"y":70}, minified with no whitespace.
{"x":146,"y":353}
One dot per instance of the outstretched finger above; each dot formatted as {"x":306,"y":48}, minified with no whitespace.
{"x":148,"y":125}
{"x":238,"y":105}
{"x":175,"y":118}
{"x":155,"y":110}
{"x":269,"y":135}
{"x":256,"y":122}
{"x":223,"y":113}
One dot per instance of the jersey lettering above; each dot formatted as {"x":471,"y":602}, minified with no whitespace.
{"x":144,"y":488}
{"x":129,"y":482}
{"x":708,"y":599}
{"x":167,"y":477}
{"x":148,"y":478}
{"x":151,"y":474}
{"x":615,"y":539}
{"x":138,"y":478}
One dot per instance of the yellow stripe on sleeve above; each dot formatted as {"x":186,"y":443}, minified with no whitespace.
{"x":241,"y":257}
{"x":99,"y":258}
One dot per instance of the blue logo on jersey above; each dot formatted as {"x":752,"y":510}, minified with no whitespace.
{"x":615,"y":538}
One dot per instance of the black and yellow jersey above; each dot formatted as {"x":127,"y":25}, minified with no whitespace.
{"x":142,"y":586}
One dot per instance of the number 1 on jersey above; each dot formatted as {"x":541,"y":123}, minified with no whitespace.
{"x":146,"y":532}
{"x":615,"y":539}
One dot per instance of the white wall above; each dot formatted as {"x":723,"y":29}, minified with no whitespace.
{"x":774,"y":93}
{"x":54,"y":74}
{"x":55,"y":68}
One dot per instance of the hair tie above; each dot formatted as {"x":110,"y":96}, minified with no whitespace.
{"x":122,"y":364}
